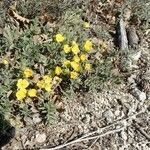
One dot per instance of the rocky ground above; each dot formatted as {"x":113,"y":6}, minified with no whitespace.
{"x":118,"y":120}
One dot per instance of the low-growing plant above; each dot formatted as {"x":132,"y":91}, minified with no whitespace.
{"x":38,"y":62}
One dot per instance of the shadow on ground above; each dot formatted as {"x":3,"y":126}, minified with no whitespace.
{"x":7,"y":132}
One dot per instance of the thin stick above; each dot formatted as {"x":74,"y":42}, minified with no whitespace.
{"x":85,"y":139}
{"x":93,"y":143}
{"x":98,"y":131}
{"x":114,"y":123}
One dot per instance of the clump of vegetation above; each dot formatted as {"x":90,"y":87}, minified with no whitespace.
{"x":40,"y":60}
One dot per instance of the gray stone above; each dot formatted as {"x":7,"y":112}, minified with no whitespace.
{"x":36,"y":118}
{"x":40,"y":137}
{"x":141,"y":96}
{"x":109,"y":116}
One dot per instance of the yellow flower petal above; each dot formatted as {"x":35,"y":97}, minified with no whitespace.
{"x":28,"y":73}
{"x":75,"y":48}
{"x":48,"y":87}
{"x":22,"y":84}
{"x":21,"y":94}
{"x":32,"y":92}
{"x":58,"y":70}
{"x":87,"y":67}
{"x":86,"y":25}
{"x":76,"y":58}
{"x":75,"y":66}
{"x":67,"y":48}
{"x":47,"y":79}
{"x":40,"y":84}
{"x":5,"y":62}
{"x":73,"y":75}
{"x":59,"y":38}
{"x":88,"y":45}
{"x":83,"y":57}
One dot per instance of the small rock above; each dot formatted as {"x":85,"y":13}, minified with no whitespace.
{"x":28,"y":121}
{"x":117,"y":112}
{"x":133,"y":38}
{"x":86,"y":118}
{"x":141,"y":96}
{"x":109,"y":116}
{"x":124,"y":135}
{"x":136,"y":56}
{"x":36,"y":118}
{"x":40,"y":138}
{"x":132,"y":78}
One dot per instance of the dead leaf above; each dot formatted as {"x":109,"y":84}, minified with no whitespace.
{"x":40,"y":38}
{"x":17,"y":17}
{"x":9,"y":93}
{"x":36,"y":78}
{"x":58,"y":103}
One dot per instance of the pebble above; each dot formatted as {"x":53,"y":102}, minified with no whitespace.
{"x":36,"y":118}
{"x":109,"y":116}
{"x":117,"y":112}
{"x":133,"y":38}
{"x":86,"y":118}
{"x":28,"y":120}
{"x":40,"y":138}
{"x":141,"y":96}
{"x":132,"y":78}
{"x":124,"y":135}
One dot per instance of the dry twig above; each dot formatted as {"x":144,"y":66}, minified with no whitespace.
{"x":85,"y":139}
{"x":89,"y":136}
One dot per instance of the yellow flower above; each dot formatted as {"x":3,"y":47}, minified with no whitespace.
{"x":40,"y":84}
{"x":32,"y":92}
{"x":88,"y":45}
{"x":76,"y":58}
{"x":48,"y":87}
{"x":28,"y":73}
{"x":73,"y":75}
{"x":58,"y":70}
{"x":75,"y":48}
{"x":21,"y":94}
{"x":22,"y":84}
{"x":86,"y":25}
{"x":46,"y":83}
{"x":67,"y":48}
{"x":83,"y":57}
{"x":59,"y":38}
{"x":5,"y":62}
{"x":47,"y":79}
{"x":87,"y":67}
{"x":66,"y":63}
{"x":75,"y":66}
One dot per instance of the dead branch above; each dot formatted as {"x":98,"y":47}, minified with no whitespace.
{"x":89,"y":136}
{"x":85,"y":139}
